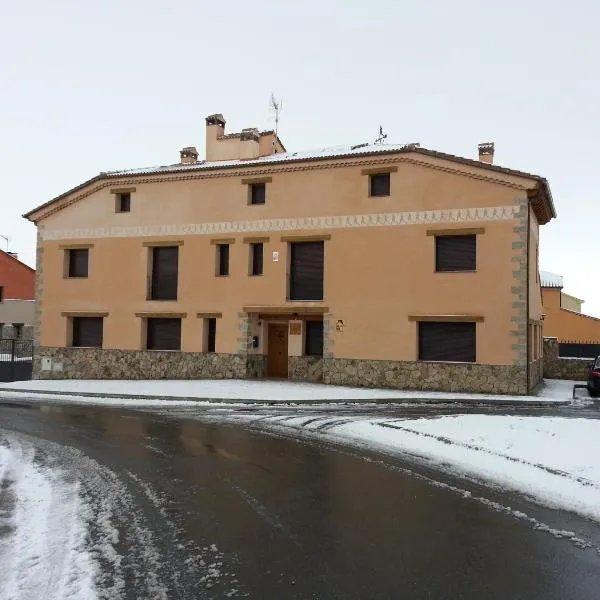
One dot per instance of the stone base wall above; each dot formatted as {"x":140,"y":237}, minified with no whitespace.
{"x":536,"y":373}
{"x":305,"y":368}
{"x":257,"y":366}
{"x":8,"y":332}
{"x":555,"y":367}
{"x":444,"y":377}
{"x":98,"y":363}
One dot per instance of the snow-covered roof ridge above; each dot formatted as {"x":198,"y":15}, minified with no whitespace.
{"x":549,"y":279}
{"x":319,"y":153}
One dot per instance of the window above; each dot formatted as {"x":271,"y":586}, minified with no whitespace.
{"x":77,"y":262}
{"x":306,"y":270}
{"x":455,"y":253}
{"x":87,"y":332}
{"x":453,"y":342}
{"x":123,"y":202}
{"x":313,"y":343}
{"x":379,"y":184}
{"x":210,"y":334}
{"x":222,"y":260}
{"x":257,"y":193}
{"x":163,"y":285}
{"x":1,"y":293}
{"x":256,"y":258}
{"x":18,"y":328}
{"x":163,"y":334}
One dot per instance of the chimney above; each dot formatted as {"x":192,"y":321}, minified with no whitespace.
{"x":249,"y":143}
{"x":215,"y":129}
{"x":486,"y":152}
{"x":189,"y":155}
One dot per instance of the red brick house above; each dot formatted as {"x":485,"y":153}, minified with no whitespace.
{"x":17,"y":297}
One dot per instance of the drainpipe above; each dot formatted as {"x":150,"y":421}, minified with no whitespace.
{"x":527,"y":296}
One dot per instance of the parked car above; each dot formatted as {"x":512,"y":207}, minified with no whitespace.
{"x":593,"y":382}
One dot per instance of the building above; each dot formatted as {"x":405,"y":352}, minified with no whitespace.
{"x":383,"y":265}
{"x":563,"y":318}
{"x":17,"y":304}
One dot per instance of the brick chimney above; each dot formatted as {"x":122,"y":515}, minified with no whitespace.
{"x":486,"y":152}
{"x":189,"y":155}
{"x":249,"y":143}
{"x":215,"y":129}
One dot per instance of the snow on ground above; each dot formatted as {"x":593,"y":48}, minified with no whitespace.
{"x":269,"y":391}
{"x":551,"y":459}
{"x":42,"y":530}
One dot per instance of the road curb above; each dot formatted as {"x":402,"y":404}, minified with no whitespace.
{"x":470,"y":401}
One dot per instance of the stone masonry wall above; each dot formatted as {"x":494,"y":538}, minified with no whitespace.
{"x":97,"y":363}
{"x":536,"y":373}
{"x":556,"y":367}
{"x":305,"y":368}
{"x":519,"y":289}
{"x":446,"y":377}
{"x":8,"y":332}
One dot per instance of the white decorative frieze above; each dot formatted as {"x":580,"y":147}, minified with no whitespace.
{"x":427,"y":217}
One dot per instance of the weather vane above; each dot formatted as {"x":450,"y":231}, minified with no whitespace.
{"x":382,"y":136}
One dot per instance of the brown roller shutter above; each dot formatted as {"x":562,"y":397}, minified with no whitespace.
{"x":314,"y":338}
{"x":165,"y":261}
{"x":163,"y":334}
{"x":306,"y":271}
{"x":447,"y":341}
{"x":456,"y":253}
{"x":88,"y":332}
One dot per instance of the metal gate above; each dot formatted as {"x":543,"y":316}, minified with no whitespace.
{"x":16,"y":360}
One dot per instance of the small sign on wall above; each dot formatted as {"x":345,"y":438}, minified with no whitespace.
{"x":275,"y":256}
{"x":295,"y":328}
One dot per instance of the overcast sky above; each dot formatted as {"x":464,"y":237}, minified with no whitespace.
{"x":93,"y":86}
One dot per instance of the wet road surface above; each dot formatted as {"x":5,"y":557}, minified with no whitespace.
{"x":207,"y":510}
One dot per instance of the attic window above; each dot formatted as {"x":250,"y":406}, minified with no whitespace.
{"x":123,"y":199}
{"x":124,"y":202}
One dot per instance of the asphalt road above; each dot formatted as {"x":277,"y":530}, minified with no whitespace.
{"x":207,"y":510}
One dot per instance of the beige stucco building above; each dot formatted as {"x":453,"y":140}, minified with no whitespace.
{"x":370,"y":265}
{"x":563,"y":318}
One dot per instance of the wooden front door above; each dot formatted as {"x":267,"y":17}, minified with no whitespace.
{"x":277,"y":358}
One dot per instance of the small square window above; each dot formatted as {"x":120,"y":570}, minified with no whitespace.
{"x":123,"y":202}
{"x":163,"y":333}
{"x":77,"y":262}
{"x":379,"y":184}
{"x":222,"y":260}
{"x":257,"y":193}
{"x":87,"y":332}
{"x":455,"y":253}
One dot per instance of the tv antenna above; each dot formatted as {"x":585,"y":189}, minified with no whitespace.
{"x":382,"y":136}
{"x":6,"y":239}
{"x":276,"y":108}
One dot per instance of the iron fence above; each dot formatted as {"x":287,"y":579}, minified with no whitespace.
{"x":578,"y":350}
{"x":16,"y":360}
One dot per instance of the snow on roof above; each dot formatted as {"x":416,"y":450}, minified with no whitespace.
{"x":549,"y":279}
{"x":334,"y":151}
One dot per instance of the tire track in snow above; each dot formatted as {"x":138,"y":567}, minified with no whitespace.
{"x":297,"y":428}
